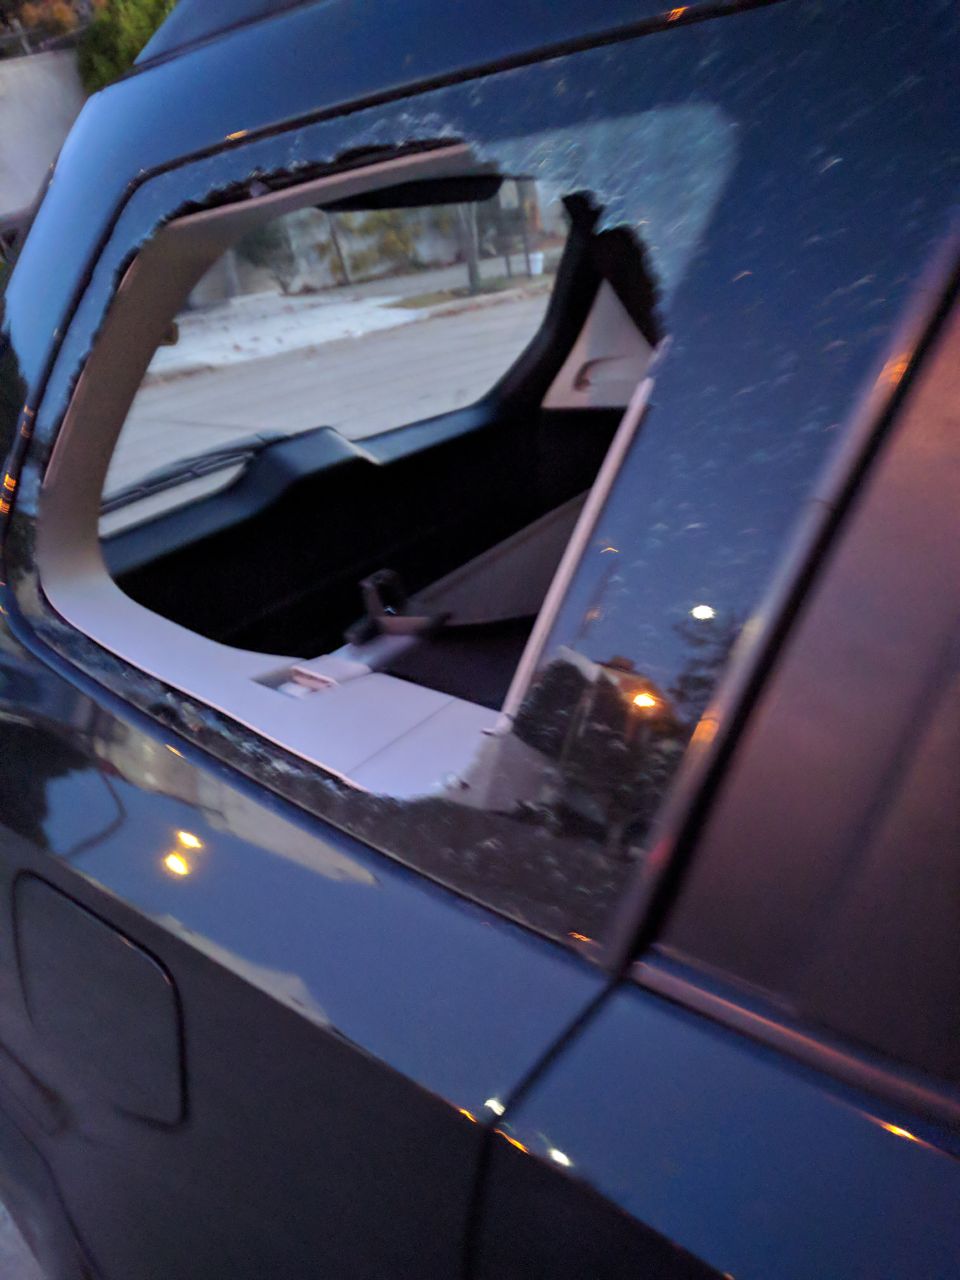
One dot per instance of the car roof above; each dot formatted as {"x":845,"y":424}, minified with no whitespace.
{"x":195,"y":20}
{"x":500,"y":28}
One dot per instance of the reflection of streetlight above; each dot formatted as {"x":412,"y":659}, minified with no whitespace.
{"x":703,"y":612}
{"x":645,"y":701}
{"x":177,"y":865}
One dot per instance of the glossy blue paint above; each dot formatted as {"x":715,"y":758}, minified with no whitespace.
{"x":338,"y":1008}
{"x":765,"y":169}
{"x":345,"y":1021}
{"x":354,"y":942}
{"x":757,"y":1166}
{"x":488,"y":31}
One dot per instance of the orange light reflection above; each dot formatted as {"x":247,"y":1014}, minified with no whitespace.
{"x":514,"y":1142}
{"x":900,"y":1133}
{"x":894,"y":370}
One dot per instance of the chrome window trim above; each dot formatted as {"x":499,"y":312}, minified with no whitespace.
{"x":723,"y":1002}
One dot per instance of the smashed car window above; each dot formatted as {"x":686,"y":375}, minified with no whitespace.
{"x":482,"y":646}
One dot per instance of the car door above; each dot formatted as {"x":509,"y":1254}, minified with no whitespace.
{"x":254,"y":1015}
{"x":773,"y":1088}
{"x":259,"y":1050}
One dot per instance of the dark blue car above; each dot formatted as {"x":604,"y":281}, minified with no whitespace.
{"x":479,"y":660}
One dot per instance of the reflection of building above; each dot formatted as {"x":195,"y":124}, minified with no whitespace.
{"x":152,"y":765}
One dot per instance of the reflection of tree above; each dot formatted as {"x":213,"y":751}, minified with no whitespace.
{"x":608,"y":755}
{"x":709,"y":643}
{"x":612,"y":739}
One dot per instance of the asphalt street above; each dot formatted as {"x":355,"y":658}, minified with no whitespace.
{"x":359,"y":385}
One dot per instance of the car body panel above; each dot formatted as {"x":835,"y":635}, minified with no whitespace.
{"x":793,"y":1110}
{"x":757,"y":1166}
{"x":342,"y":1023}
{"x":288,"y":945}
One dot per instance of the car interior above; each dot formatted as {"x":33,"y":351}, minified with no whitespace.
{"x":412,"y":570}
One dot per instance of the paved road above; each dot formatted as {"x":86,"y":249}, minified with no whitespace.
{"x":358,"y":385}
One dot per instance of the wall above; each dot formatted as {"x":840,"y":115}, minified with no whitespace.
{"x":40,"y":97}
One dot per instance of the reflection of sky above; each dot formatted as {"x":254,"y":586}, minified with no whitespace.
{"x":842,"y":188}
{"x":658,"y":171}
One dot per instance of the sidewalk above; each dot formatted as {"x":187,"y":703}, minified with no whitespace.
{"x":262,"y":325}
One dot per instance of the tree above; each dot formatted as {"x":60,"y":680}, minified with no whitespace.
{"x":391,"y":242}
{"x":467,"y":225}
{"x":54,"y":17}
{"x":269,"y":247}
{"x":118,"y":32}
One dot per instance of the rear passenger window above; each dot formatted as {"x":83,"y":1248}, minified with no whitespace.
{"x":421,"y":461}
{"x":829,"y":874}
{"x":462,"y":435}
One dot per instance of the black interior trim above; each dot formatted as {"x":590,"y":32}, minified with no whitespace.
{"x":475,"y":662}
{"x":617,"y":256}
{"x":425,"y":193}
{"x":575,"y":287}
{"x":274,"y":561}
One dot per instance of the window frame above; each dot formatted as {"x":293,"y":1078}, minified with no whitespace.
{"x":60,"y":360}
{"x":69,"y":558}
{"x":207,"y":183}
{"x":633,"y":947}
